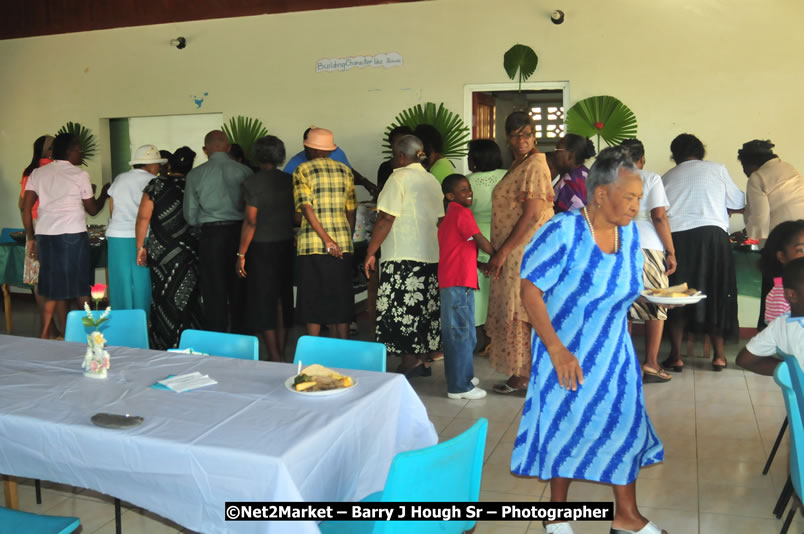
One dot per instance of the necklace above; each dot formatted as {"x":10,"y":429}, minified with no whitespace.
{"x":592,"y":230}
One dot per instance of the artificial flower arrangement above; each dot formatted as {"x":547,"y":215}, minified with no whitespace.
{"x":96,"y":359}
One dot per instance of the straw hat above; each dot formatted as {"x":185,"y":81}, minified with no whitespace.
{"x":147,"y":154}
{"x":320,"y":139}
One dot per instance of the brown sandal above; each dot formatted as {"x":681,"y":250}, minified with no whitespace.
{"x":650,"y":376}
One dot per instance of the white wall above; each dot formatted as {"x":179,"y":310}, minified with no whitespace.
{"x":173,"y":131}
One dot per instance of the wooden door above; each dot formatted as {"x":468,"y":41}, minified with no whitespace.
{"x":483,"y":116}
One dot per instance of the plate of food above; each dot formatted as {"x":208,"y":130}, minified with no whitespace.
{"x":318,"y":381}
{"x":674,"y":295}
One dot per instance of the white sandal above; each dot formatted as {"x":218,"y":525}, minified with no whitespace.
{"x":650,"y":528}
{"x":558,"y":528}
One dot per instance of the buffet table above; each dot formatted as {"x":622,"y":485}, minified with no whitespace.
{"x":12,"y":260}
{"x":247,"y":438}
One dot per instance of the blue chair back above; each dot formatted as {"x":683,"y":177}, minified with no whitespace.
{"x":16,"y":521}
{"x":221,"y":344}
{"x":125,"y":328}
{"x":789,"y":375}
{"x":342,"y":353}
{"x":5,"y":234}
{"x":447,"y":472}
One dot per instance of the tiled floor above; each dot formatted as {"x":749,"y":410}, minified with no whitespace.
{"x":717,"y":430}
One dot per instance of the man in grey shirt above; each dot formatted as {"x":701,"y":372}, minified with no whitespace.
{"x":213,"y":201}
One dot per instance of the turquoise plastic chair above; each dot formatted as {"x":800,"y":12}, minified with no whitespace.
{"x":5,"y":235}
{"x":221,"y":344}
{"x":447,"y":472}
{"x":14,"y":521}
{"x":343,"y":353}
{"x":789,"y":377}
{"x":125,"y":328}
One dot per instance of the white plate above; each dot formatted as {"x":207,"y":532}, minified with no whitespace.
{"x":692,"y":299}
{"x":325,"y":393}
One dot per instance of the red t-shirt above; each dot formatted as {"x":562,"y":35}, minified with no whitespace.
{"x":457,"y":251}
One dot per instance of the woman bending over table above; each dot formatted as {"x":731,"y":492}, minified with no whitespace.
{"x":584,"y":417}
{"x":701,"y":195}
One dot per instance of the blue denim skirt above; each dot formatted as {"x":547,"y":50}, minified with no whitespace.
{"x":64,"y":266}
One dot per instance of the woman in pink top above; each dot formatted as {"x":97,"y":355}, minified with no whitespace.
{"x":42,"y":155}
{"x":65,"y":196}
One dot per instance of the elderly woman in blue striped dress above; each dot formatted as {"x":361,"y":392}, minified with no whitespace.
{"x":584,"y":416}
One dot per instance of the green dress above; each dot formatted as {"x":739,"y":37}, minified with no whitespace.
{"x":482,"y":185}
{"x":442,"y":168}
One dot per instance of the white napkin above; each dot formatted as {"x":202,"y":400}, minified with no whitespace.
{"x":187,"y":382}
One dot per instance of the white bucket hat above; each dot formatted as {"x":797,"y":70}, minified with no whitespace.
{"x":147,"y":154}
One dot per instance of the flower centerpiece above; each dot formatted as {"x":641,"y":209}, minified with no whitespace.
{"x":96,"y":359}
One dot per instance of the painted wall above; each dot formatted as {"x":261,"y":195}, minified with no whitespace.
{"x":726,"y":70}
{"x":174,"y":131}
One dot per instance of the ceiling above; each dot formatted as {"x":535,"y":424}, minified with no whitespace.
{"x":47,"y":17}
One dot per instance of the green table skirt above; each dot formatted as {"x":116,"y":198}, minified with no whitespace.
{"x":12,"y":260}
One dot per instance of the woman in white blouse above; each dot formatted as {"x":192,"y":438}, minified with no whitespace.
{"x":408,"y":209}
{"x":129,"y":283}
{"x":701,"y":195}
{"x":660,"y":260}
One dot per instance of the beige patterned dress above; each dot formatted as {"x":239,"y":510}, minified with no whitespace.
{"x":507,"y":322}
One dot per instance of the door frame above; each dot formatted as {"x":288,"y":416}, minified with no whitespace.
{"x":468,"y":89}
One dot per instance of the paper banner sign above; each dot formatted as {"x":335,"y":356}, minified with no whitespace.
{"x":391,"y":59}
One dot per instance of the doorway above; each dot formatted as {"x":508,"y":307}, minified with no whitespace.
{"x":167,"y":132}
{"x":486,"y":106}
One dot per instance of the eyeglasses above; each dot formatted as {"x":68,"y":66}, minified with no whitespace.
{"x":518,"y":136}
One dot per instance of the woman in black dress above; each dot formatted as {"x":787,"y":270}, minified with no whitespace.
{"x":265,"y":255}
{"x":171,"y":254}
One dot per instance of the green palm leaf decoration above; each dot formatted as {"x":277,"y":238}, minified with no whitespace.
{"x":603,"y":116}
{"x":452,"y":128}
{"x":244,"y":131}
{"x":84,"y":134}
{"x":520,"y":58}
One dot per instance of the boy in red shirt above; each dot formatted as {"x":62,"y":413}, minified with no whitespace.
{"x":458,"y":241}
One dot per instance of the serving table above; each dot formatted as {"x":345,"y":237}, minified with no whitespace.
{"x":247,"y":438}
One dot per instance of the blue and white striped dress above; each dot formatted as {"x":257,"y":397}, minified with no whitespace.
{"x":600,"y":432}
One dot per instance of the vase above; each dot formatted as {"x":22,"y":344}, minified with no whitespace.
{"x":96,"y":360}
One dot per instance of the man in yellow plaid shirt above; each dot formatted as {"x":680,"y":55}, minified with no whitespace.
{"x":324,"y":193}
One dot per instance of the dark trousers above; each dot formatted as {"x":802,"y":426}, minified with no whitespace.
{"x":223,"y":292}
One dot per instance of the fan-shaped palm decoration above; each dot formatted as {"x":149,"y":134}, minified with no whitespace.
{"x":522,"y":58}
{"x":84,"y":134}
{"x":244,"y":131}
{"x":604,"y":116}
{"x":452,"y":128}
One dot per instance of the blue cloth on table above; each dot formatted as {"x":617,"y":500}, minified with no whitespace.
{"x":600,"y":432}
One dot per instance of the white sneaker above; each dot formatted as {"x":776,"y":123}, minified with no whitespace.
{"x":472,"y":394}
{"x":558,"y":528}
{"x":475,"y":381}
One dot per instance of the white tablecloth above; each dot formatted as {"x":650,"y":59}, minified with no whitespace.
{"x":245,"y":439}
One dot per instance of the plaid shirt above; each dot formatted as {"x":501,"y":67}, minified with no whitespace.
{"x":327,"y":186}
